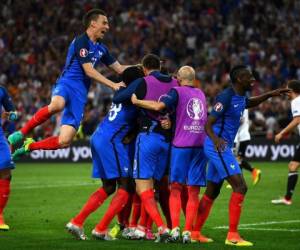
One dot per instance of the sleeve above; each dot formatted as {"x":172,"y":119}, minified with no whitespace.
{"x":107,"y":58}
{"x":125,"y":94}
{"x":170,"y":100}
{"x":247,"y":103}
{"x":221,"y":104}
{"x":295,"y":106}
{"x":81,"y":46}
{"x":7,"y":101}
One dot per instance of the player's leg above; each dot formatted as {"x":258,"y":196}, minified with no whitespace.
{"x":56,"y":105}
{"x":146,"y":165}
{"x":291,"y":183}
{"x":5,"y":177}
{"x":244,"y":164}
{"x":6,"y":164}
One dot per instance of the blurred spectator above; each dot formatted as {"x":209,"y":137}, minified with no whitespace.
{"x":210,"y":35}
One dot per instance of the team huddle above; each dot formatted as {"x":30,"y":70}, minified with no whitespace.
{"x":157,"y":144}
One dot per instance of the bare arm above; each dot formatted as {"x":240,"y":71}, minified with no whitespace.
{"x":95,"y":75}
{"x":146,"y":104}
{"x":294,"y":123}
{"x":118,"y":68}
{"x":256,"y":100}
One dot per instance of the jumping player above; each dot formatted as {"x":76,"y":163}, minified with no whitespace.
{"x":70,"y":91}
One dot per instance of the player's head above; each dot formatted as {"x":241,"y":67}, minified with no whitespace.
{"x":150,"y":62}
{"x":132,"y":73}
{"x":96,"y":21}
{"x":186,"y":75}
{"x":294,"y":85}
{"x":243,"y":76}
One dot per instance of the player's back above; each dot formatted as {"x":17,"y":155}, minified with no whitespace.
{"x":229,"y":108}
{"x":120,"y":119}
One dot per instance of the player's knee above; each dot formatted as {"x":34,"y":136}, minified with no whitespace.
{"x":242,"y":188}
{"x":55,"y":107}
{"x":64,"y":142}
{"x":109,"y":188}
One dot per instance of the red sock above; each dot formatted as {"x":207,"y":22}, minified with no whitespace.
{"x":184,"y":198}
{"x":175,"y":204}
{"x":164,"y":195}
{"x":203,"y":212}
{"x":235,"y":209}
{"x":191,"y":207}
{"x":46,"y":144}
{"x":149,"y":223}
{"x":144,"y":217}
{"x":124,"y":214}
{"x":38,"y":118}
{"x":4,"y":193}
{"x":95,"y":201}
{"x":116,"y":205}
{"x":149,"y":202}
{"x":136,"y":210}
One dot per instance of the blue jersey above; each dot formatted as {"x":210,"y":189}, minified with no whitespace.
{"x":120,"y":119}
{"x":83,"y":50}
{"x":6,"y":102}
{"x":228,"y":109}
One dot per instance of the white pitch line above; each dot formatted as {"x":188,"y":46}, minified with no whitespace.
{"x":56,"y":186}
{"x":270,"y":229}
{"x":261,"y":223}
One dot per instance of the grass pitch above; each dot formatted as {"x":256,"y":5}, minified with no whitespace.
{"x":45,"y":196}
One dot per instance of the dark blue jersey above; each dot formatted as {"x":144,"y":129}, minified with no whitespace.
{"x":120,"y":119}
{"x":228,"y":109}
{"x":83,"y":50}
{"x":6,"y":102}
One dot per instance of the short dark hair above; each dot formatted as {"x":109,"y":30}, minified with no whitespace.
{"x":92,"y":15}
{"x":235,"y":71}
{"x":151,"y":61}
{"x":294,"y":85}
{"x":132,"y":73}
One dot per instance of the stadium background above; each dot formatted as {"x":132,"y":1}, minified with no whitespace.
{"x":209,"y":35}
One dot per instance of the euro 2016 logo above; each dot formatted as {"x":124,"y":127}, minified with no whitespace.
{"x":195,"y":109}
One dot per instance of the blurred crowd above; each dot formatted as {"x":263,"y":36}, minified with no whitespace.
{"x":210,"y":35}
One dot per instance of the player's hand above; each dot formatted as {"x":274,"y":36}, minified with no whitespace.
{"x":134,"y":99}
{"x":220,"y":144}
{"x":118,"y":85}
{"x":166,"y":123}
{"x":280,"y":92}
{"x":4,"y":115}
{"x":278,"y":137}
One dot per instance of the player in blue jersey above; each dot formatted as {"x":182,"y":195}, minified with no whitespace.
{"x":222,"y":126}
{"x":6,"y":162}
{"x":153,"y":141}
{"x":70,"y":91}
{"x":111,"y":162}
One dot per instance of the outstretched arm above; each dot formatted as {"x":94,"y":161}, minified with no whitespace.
{"x":146,"y":104}
{"x":256,"y":100}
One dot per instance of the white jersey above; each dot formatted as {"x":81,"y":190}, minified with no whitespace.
{"x":243,"y":133}
{"x":295,"y":106}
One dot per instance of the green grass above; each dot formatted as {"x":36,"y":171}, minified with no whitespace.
{"x":45,"y":196}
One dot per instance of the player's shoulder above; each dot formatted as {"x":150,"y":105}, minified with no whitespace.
{"x":226,"y":95}
{"x":3,"y":90}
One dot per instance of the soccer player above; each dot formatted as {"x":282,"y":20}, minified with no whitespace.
{"x":153,"y":142}
{"x":70,"y":91}
{"x":241,"y":141}
{"x":222,"y":126}
{"x":188,"y":162}
{"x":293,"y":166}
{"x":6,"y":162}
{"x":111,"y":163}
